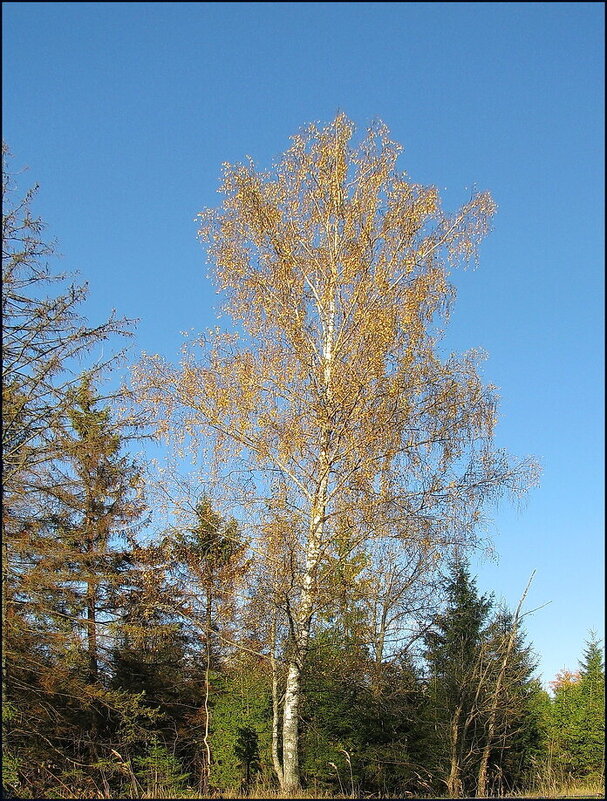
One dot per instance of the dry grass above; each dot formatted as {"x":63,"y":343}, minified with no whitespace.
{"x":571,"y":790}
{"x":579,"y":789}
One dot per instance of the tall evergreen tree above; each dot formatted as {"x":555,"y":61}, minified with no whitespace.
{"x":592,"y":697}
{"x":44,"y":335}
{"x":208,"y":562}
{"x":454,"y":653}
{"x":512,"y":736}
{"x":483,"y":698}
{"x":69,"y":565}
{"x":98,"y":490}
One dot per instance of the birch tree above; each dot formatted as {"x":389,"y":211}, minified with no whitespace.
{"x":331,"y":385}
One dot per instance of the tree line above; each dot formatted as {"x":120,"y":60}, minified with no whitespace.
{"x":305,"y":616}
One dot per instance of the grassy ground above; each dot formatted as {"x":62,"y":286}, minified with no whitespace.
{"x":590,"y":790}
{"x":573,"y":790}
{"x":580,"y":790}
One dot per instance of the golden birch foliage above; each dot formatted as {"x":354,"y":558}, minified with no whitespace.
{"x":334,"y":268}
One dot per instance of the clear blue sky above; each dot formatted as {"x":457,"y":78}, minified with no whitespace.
{"x":124,"y":113}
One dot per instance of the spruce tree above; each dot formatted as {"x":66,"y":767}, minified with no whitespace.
{"x":592,"y":703}
{"x":511,"y":724}
{"x":208,"y":561}
{"x":454,"y":653}
{"x":69,"y":565}
{"x":96,"y":490}
{"x":578,"y":716}
{"x":44,"y":337}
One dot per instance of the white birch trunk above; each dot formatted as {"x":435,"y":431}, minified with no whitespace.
{"x":275,"y":707}
{"x":290,"y":735}
{"x":301,"y":634}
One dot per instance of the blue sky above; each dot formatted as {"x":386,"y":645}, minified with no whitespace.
{"x":124,"y":113}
